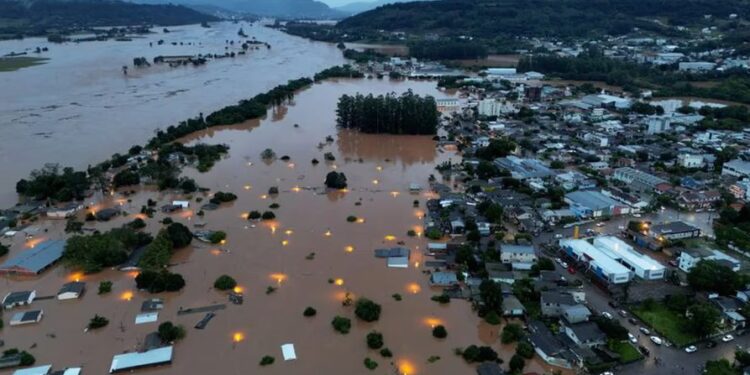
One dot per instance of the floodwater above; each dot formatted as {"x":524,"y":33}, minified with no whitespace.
{"x":309,"y":220}
{"x":79,"y":108}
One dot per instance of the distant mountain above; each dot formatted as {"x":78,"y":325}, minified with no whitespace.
{"x":363,"y":6}
{"x":38,"y":17}
{"x":556,"y":18}
{"x":294,"y":9}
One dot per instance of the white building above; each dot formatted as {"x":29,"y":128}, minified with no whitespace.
{"x":599,"y":262}
{"x":517,"y":254}
{"x":690,"y":257}
{"x":494,"y":107}
{"x":696,"y":66}
{"x":658,"y":124}
{"x":690,"y":160}
{"x":737,"y":168}
{"x":642,"y":265}
{"x":596,"y":139}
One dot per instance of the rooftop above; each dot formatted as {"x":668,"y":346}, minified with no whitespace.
{"x":37,"y":259}
{"x":591,"y":199}
{"x":673,"y":227}
{"x":129,"y":361}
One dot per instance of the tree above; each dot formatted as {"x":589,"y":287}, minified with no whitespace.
{"x":225,"y":282}
{"x":159,"y":281}
{"x":253,"y":215}
{"x":267,"y":360}
{"x":719,"y":367}
{"x":126,"y":177}
{"x":439,"y":332}
{"x":217,"y":236}
{"x":498,"y":148}
{"x":370,"y":364}
{"x":711,"y":276}
{"x":486,"y":170}
{"x":179,"y":235}
{"x":341,"y":324}
{"x":157,"y":253}
{"x":367,"y":310}
{"x":516,"y":363}
{"x":491,"y":295}
{"x":309,"y":311}
{"x":98,"y":322}
{"x":168,"y":332}
{"x":525,"y":350}
{"x":335,"y":180}
{"x":374,"y":340}
{"x":475,"y":353}
{"x":511,"y":333}
{"x":94,"y":252}
{"x":105,"y":287}
{"x":268,"y":215}
{"x":612,"y":328}
{"x":704,"y":319}
{"x":3,"y":250}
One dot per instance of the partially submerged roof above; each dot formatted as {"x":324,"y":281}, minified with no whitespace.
{"x":147,"y":317}
{"x":287,"y":350}
{"x":129,"y":361}
{"x":35,"y":260}
{"x":39,"y":370}
{"x":76,"y":287}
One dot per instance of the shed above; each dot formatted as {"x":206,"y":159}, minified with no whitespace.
{"x":71,"y":290}
{"x":398,"y":262}
{"x":14,"y":299}
{"x":26,"y":317}
{"x":443,"y":279}
{"x":147,"y":317}
{"x":287,"y":350}
{"x":38,"y":370}
{"x":132,"y":361}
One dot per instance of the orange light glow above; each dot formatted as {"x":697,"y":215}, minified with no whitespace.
{"x":339,"y":282}
{"x":273,"y":229}
{"x":360,"y":220}
{"x":406,"y":368}
{"x":215,"y":252}
{"x":390,"y":237}
{"x":284,"y":243}
{"x":379,"y":168}
{"x":75,"y":276}
{"x":238,"y":337}
{"x":375,"y":182}
{"x":32,"y":242}
{"x":433,"y":322}
{"x":223,"y":242}
{"x":395,"y":194}
{"x":238,"y":289}
{"x":133,"y":274}
{"x":290,"y":165}
{"x":264,"y":196}
{"x":333,"y":166}
{"x":416,"y":264}
{"x":328,"y":233}
{"x":248,"y":187}
{"x":349,"y":249}
{"x":288,"y":232}
{"x":126,"y":295}
{"x":186,"y":214}
{"x":279,"y":277}
{"x":296,"y":189}
{"x":344,"y":190}
{"x":245,"y":215}
{"x":414,"y":288}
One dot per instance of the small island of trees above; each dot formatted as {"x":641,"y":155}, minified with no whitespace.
{"x":405,"y":114}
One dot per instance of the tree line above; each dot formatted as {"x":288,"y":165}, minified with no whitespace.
{"x":405,"y":114}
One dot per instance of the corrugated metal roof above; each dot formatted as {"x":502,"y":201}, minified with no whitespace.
{"x":127,"y":361}
{"x":38,"y":258}
{"x":39,"y":370}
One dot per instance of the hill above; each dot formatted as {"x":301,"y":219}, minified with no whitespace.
{"x":293,"y":9}
{"x":39,"y":17}
{"x":558,"y":18}
{"x":363,"y":6}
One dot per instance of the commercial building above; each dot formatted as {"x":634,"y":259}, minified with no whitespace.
{"x":591,"y":203}
{"x":35,"y":260}
{"x":675,"y":230}
{"x":643,"y":180}
{"x":517,"y":254}
{"x":523,"y":169}
{"x":737,"y":168}
{"x":495,"y":107}
{"x":690,"y":257}
{"x":642,"y":265}
{"x":599,"y":262}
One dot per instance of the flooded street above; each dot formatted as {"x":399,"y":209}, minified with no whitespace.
{"x":79,"y":108}
{"x":277,"y":253}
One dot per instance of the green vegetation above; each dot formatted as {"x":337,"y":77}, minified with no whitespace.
{"x":474,"y":353}
{"x":26,"y":358}
{"x":225,"y":282}
{"x":386,"y":353}
{"x":341,"y":324}
{"x":98,"y":322}
{"x":405,"y":114}
{"x":217,"y":237}
{"x":367,"y":310}
{"x":9,"y":64}
{"x":733,"y":228}
{"x":516,"y":364}
{"x":126,"y":177}
{"x":336,"y":180}
{"x":159,"y":281}
{"x":711,"y":276}
{"x":309,"y":311}
{"x":268,"y":215}
{"x":628,"y":353}
{"x":222,"y":197}
{"x":267,"y":360}
{"x":370,"y":364}
{"x":351,"y":218}
{"x":94,"y":252}
{"x":441,"y":298}
{"x":364,"y":56}
{"x":511,"y":333}
{"x":396,"y":297}
{"x":439,"y":332}
{"x":3,"y":250}
{"x":447,"y":50}
{"x":374,"y":340}
{"x":168,"y":332}
{"x":344,"y":71}
{"x":51,"y":182}
{"x":720,"y":367}
{"x":525,"y":349}
{"x":105,"y":287}
{"x":666,"y":322}
{"x":253,"y":215}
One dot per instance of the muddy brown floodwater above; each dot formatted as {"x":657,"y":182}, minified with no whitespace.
{"x":379,"y":169}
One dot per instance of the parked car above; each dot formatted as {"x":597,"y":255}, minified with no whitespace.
{"x":656,"y":340}
{"x":632,"y":338}
{"x":727,"y":338}
{"x":710,"y":344}
{"x":644,"y":350}
{"x":645,"y":330}
{"x":632,"y":321}
{"x":623,"y":313}
{"x":607,"y":315}
{"x":691,"y":349}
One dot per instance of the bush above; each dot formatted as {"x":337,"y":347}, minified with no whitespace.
{"x":274,"y":206}
{"x":335,"y":180}
{"x":253,"y":215}
{"x":138,"y":223}
{"x":351,"y":218}
{"x":3,"y":250}
{"x":341,"y":324}
{"x":225,"y":282}
{"x":370,"y":364}
{"x":159,"y":281}
{"x":511,"y":333}
{"x":367,"y":310}
{"x":309,"y":311}
{"x":439,"y":332}
{"x":268,"y":215}
{"x":516,"y":363}
{"x":27,"y":359}
{"x":169,"y":332}
{"x":217,"y":237}
{"x":411,"y":233}
{"x":179,"y":234}
{"x":525,"y":350}
{"x":441,"y":298}
{"x":397,"y":297}
{"x":434,"y":234}
{"x":492,"y":318}
{"x":386,"y":353}
{"x":105,"y":287}
{"x":98,"y":322}
{"x":374,"y":340}
{"x":222,"y":197}
{"x":267,"y":360}
{"x":474,"y":353}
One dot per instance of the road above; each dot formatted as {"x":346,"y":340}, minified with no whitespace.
{"x":672,"y":360}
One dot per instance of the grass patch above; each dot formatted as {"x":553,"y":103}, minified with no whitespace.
{"x":10,"y":64}
{"x":628,"y":353}
{"x":666,"y":323}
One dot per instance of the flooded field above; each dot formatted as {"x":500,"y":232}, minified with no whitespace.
{"x":277,"y":253}
{"x":79,"y":108}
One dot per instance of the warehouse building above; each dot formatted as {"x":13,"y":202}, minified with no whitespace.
{"x":600,"y":262}
{"x":591,"y":203}
{"x":34,"y":261}
{"x":642,"y":265}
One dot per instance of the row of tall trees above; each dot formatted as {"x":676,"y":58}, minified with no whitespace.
{"x":405,"y":114}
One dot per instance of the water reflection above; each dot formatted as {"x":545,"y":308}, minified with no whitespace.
{"x":406,"y":149}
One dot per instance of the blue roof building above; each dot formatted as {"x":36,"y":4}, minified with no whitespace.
{"x":35,"y":260}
